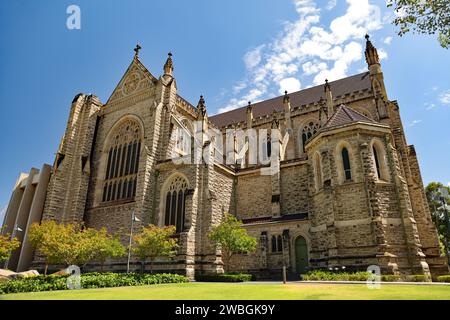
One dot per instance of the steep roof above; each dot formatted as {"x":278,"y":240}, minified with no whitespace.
{"x":338,"y":88}
{"x":345,"y":115}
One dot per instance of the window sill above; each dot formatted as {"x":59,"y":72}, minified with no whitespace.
{"x":115,"y":203}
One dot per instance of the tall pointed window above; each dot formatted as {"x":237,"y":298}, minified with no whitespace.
{"x":346,"y":164}
{"x":175,"y":200}
{"x":123,"y":163}
{"x":379,"y":161}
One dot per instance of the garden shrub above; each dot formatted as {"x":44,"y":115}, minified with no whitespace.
{"x":445,"y":278}
{"x":88,"y":280}
{"x":319,"y":275}
{"x":416,"y":278}
{"x":390,"y":278}
{"x":224,"y":277}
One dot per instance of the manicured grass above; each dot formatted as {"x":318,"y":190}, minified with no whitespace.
{"x":230,"y":291}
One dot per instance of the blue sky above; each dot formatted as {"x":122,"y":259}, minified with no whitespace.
{"x":229,"y":51}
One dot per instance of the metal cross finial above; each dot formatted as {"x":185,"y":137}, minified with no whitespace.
{"x":136,"y":50}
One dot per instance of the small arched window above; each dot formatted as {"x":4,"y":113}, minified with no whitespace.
{"x":174,"y":212}
{"x":346,"y":164}
{"x":308,"y":131}
{"x":123,"y":163}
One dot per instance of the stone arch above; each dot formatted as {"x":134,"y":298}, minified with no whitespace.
{"x":177,"y":183}
{"x":116,"y":137}
{"x":379,"y":159}
{"x":294,"y":253}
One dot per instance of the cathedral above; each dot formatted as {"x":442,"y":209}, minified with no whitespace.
{"x":322,"y":178}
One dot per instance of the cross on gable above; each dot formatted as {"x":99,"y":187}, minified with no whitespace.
{"x":136,"y":50}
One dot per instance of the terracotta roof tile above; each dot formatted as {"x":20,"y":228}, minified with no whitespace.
{"x":345,"y":115}
{"x":338,"y":88}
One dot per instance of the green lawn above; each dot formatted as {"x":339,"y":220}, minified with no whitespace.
{"x":228,"y":291}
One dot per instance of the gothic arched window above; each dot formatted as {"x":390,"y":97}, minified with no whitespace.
{"x":346,"y":164}
{"x":308,"y":131}
{"x":174,"y":212}
{"x":123,"y":162}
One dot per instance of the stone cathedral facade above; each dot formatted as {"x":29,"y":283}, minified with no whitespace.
{"x":346,"y":190}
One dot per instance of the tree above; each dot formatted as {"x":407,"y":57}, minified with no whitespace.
{"x":232,"y":238}
{"x":424,"y":17}
{"x":439,"y":213}
{"x":109,"y":247}
{"x":72,"y":244}
{"x":155,"y":242}
{"x":7,"y":246}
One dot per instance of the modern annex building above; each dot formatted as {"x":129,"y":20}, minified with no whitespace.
{"x":333,"y":184}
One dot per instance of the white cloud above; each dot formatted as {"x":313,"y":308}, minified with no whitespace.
{"x":253,"y":57}
{"x":387,"y":40}
{"x":430,"y":106}
{"x":309,"y":48}
{"x":331,"y":4}
{"x":414,"y":122}
{"x":445,"y":97}
{"x":448,"y":184}
{"x":289,"y":85}
{"x":382,"y":54}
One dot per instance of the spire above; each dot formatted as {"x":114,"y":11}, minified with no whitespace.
{"x":327,"y":86}
{"x":201,"y":107}
{"x":371,"y":53}
{"x":136,"y":50}
{"x":286,"y":97}
{"x":249,"y":115}
{"x":249,"y":107}
{"x":168,"y":66}
{"x":329,"y":99}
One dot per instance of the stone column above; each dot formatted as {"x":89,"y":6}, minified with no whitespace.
{"x":35,"y":214}
{"x":22,"y":217}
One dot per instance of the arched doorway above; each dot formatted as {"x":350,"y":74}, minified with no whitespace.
{"x":301,"y":254}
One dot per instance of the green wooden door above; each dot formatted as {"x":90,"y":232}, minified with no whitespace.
{"x":301,"y":254}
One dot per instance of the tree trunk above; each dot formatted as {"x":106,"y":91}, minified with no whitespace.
{"x":45,"y":270}
{"x":142,"y":266}
{"x":150,"y":266}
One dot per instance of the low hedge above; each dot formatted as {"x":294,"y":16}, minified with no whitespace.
{"x":330,"y":276}
{"x":88,"y":281}
{"x":359,"y":276}
{"x":224,"y":277}
{"x":445,"y":278}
